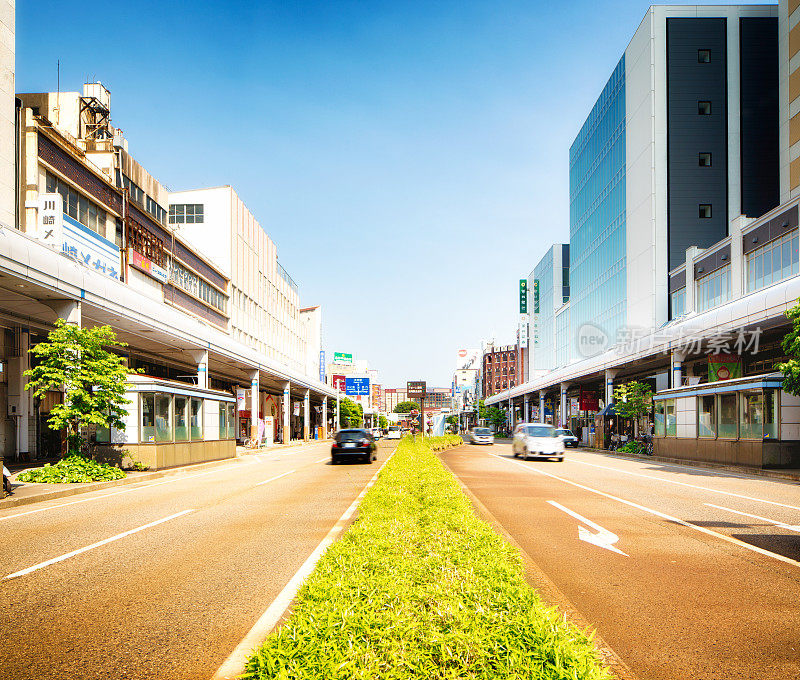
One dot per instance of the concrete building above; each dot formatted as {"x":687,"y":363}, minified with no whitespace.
{"x":549,"y":284}
{"x":683,"y":260}
{"x":499,"y":369}
{"x":92,"y":244}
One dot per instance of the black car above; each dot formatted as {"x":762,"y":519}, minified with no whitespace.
{"x":353,"y":444}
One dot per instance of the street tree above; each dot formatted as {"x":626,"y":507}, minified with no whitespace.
{"x":497,"y":417}
{"x":633,"y":400}
{"x":94,"y":380}
{"x":406,"y":407}
{"x":791,"y":345}
{"x":351,"y":414}
{"x":383,"y":422}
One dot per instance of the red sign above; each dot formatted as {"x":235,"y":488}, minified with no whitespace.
{"x":588,"y":401}
{"x":338,"y":382}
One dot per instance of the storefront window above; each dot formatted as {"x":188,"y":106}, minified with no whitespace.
{"x":706,"y":420}
{"x":727,"y":424}
{"x":669,"y":417}
{"x":231,"y":421}
{"x":163,"y":408}
{"x":148,"y":427}
{"x":770,"y":414}
{"x":659,"y":418}
{"x":752,"y":414}
{"x":197,"y":419}
{"x":181,"y":419}
{"x":223,"y":420}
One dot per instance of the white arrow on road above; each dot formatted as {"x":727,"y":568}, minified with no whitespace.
{"x":603,"y":538}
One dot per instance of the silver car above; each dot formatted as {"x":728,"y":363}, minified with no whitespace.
{"x":481,"y":435}
{"x":537,"y":440}
{"x":568,"y":438}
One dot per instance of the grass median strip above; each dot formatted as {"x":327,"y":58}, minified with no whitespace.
{"x":420,"y":587}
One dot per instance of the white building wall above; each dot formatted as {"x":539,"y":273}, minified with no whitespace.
{"x":7,"y":114}
{"x":210,"y":419}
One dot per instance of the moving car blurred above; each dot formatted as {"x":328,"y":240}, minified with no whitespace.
{"x":394,"y":432}
{"x":537,"y":440}
{"x":567,"y":437}
{"x":353,"y":443}
{"x":481,"y":435}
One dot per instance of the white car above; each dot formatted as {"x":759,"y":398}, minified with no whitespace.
{"x":394,"y":432}
{"x":537,"y":440}
{"x":568,"y":438}
{"x":481,"y":435}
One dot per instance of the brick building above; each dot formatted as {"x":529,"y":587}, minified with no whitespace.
{"x":500,"y":369}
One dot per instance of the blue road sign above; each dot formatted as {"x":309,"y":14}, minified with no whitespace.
{"x":354,"y":387}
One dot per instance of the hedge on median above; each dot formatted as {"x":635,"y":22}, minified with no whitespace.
{"x":419,"y":587}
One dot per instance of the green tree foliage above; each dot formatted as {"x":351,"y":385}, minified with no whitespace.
{"x":351,"y":414}
{"x":383,"y":422}
{"x":93,"y":379}
{"x":496,"y":417}
{"x":633,"y":400}
{"x":791,"y":345}
{"x":406,"y":407}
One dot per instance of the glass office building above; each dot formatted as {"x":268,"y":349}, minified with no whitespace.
{"x":543,"y":353}
{"x":597,"y":215}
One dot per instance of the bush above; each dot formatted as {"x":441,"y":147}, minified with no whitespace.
{"x":632,"y":447}
{"x":72,"y":469}
{"x":419,"y":587}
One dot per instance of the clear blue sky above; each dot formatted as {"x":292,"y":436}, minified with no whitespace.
{"x":408,"y":158}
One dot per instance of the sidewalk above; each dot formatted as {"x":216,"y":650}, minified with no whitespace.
{"x":25,"y":493}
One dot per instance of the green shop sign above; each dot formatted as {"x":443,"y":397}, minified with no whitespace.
{"x":342,"y":358}
{"x":523,"y":296}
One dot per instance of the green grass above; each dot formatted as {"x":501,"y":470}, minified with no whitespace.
{"x":72,"y":469}
{"x":419,"y":587}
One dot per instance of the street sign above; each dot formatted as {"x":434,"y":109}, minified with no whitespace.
{"x":416,"y":389}
{"x":523,"y":296}
{"x":356,"y":387}
{"x":338,"y":382}
{"x":342,"y":358}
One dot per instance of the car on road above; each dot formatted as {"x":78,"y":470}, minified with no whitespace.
{"x":569,"y":439}
{"x":352,"y":444}
{"x":394,"y":432}
{"x":376,"y":433}
{"x":481,"y":435}
{"x":537,"y":440}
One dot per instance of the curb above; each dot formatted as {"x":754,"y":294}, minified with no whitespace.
{"x":547,"y":590}
{"x":741,"y":469}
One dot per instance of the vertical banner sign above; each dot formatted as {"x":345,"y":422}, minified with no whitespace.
{"x":322,"y":365}
{"x":241,"y":399}
{"x":536,"y":296}
{"x":523,"y":296}
{"x":523,"y":331}
{"x":51,"y":219}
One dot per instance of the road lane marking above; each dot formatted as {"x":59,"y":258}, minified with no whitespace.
{"x":105,"y":541}
{"x":657,"y":513}
{"x":322,"y":460}
{"x":233,"y":666}
{"x":692,"y":486}
{"x":602,"y":539}
{"x":272,"y":479}
{"x":790,"y":527}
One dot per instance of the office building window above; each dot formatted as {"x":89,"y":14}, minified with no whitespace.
{"x":186,"y":213}
{"x":704,"y":108}
{"x":705,"y":211}
{"x":772,"y":262}
{"x":704,"y":56}
{"x":678,"y":302}
{"x":704,"y":160}
{"x":77,"y":206}
{"x":714,"y":289}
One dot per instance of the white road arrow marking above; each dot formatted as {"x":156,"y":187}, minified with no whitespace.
{"x":603,"y":538}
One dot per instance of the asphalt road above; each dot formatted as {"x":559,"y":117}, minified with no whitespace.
{"x":687,"y":573}
{"x":184,"y":567}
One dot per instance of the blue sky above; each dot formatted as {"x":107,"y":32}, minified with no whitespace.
{"x":409,"y":159}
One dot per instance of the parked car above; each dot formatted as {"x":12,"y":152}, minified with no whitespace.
{"x":481,"y":435}
{"x":376,"y":433}
{"x":567,"y":437}
{"x":353,"y":443}
{"x":394,"y":432}
{"x":537,"y":440}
